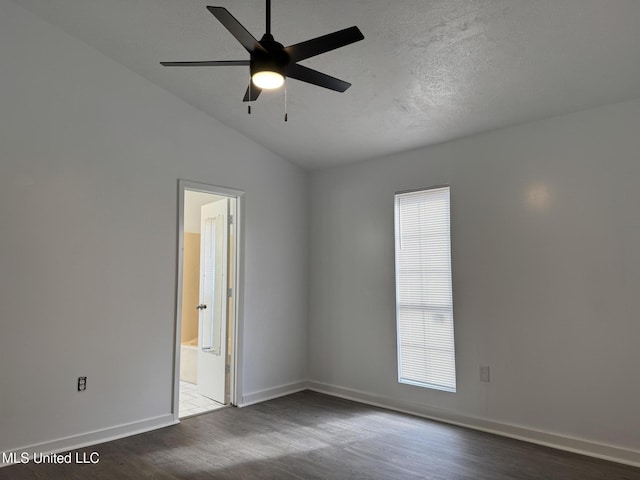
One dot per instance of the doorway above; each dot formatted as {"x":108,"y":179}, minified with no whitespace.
{"x":207,"y":293}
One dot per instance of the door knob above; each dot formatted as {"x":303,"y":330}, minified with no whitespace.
{"x":202,"y":306}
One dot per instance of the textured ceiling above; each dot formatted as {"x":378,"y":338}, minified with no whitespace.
{"x":427,"y":71}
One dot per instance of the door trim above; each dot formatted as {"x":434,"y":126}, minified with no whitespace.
{"x":235,"y":386}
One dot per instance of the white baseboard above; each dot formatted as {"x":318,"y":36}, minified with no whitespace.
{"x":271,"y":393}
{"x":92,"y":438}
{"x":554,"y":440}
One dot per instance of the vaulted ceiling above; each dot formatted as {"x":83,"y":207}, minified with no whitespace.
{"x":427,"y":71}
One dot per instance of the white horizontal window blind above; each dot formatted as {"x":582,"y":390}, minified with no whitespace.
{"x":424,"y":306}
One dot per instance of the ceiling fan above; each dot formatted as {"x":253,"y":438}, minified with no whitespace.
{"x":270,"y":62}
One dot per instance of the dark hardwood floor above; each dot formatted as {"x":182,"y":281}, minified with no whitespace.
{"x":312,"y":436}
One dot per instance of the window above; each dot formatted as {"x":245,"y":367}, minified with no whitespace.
{"x":424,"y":306}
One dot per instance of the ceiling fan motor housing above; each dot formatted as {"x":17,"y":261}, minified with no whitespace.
{"x":275,"y":59}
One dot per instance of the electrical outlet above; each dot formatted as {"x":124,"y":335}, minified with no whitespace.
{"x":82,"y":384}
{"x":484,"y":373}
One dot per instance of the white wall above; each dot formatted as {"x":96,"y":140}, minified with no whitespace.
{"x":546,"y":273}
{"x":90,"y":156}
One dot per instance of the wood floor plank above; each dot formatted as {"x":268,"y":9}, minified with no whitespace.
{"x":310,"y":436}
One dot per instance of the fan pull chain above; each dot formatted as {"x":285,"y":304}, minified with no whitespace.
{"x":285,"y":101}
{"x":249,"y":104}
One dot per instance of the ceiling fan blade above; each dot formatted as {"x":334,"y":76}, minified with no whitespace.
{"x":213,"y":63}
{"x":236,"y":29}
{"x":314,"y":77}
{"x":253,"y":91}
{"x":323,"y":44}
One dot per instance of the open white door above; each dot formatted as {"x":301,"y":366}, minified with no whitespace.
{"x":212,"y":332}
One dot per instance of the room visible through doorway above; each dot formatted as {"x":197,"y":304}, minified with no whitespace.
{"x":207,"y":290}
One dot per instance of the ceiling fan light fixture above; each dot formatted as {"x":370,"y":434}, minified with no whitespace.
{"x":267,"y":79}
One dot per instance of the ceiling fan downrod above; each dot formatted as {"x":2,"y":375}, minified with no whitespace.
{"x":268,"y":29}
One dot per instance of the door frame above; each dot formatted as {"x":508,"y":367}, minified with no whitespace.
{"x":235,"y":384}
